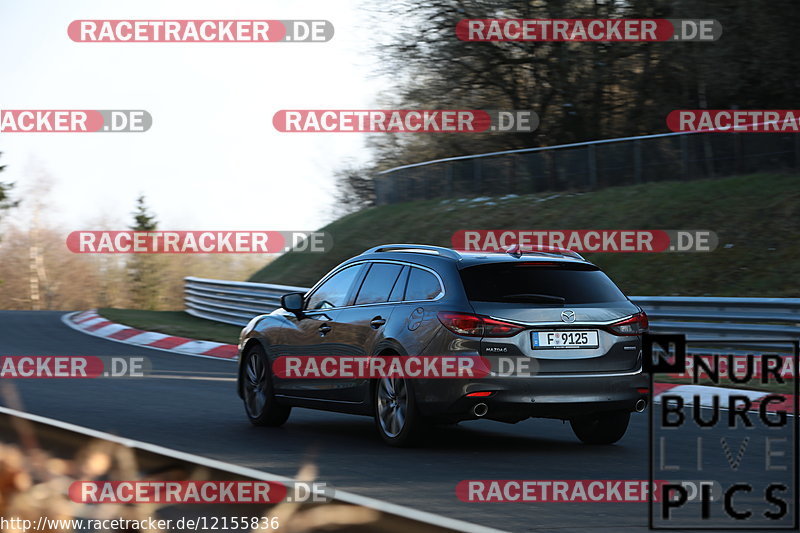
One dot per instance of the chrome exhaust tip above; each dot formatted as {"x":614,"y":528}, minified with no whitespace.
{"x":480,"y":409}
{"x":641,"y":405}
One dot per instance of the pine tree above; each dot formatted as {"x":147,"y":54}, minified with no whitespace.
{"x":144,"y":271}
{"x":143,"y":220}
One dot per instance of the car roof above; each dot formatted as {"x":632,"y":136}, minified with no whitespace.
{"x":472,"y":259}
{"x":430,"y":255}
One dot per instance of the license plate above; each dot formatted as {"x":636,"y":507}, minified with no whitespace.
{"x":564,"y":339}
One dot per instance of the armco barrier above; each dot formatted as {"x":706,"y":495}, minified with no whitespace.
{"x":232,"y":302}
{"x":754,"y":319}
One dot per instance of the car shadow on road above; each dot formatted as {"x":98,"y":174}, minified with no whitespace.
{"x":357,"y":435}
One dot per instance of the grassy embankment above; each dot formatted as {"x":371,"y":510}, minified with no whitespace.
{"x":756,"y":217}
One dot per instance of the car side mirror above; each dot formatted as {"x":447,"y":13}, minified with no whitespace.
{"x":293,"y":302}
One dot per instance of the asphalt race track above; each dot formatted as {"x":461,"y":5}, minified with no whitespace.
{"x":190,"y":404}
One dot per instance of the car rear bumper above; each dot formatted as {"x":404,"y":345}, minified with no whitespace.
{"x":518,"y":398}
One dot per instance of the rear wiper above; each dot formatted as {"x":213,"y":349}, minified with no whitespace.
{"x":526,"y":297}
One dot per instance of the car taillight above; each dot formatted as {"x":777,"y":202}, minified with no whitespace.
{"x":480,"y":394}
{"x":635,"y":325}
{"x":477,"y":325}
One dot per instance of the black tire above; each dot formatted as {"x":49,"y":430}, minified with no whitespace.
{"x":259,"y":401}
{"x":601,"y":428}
{"x":395,"y":396}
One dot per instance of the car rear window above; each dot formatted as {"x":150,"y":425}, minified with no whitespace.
{"x":539,"y":284}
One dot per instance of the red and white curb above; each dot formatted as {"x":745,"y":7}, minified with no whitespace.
{"x":93,"y":324}
{"x":706,"y":396}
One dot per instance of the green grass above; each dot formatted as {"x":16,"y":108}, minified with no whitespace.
{"x":175,"y":323}
{"x":757,"y":219}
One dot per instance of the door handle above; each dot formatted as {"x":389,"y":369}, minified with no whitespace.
{"x":324,"y":329}
{"x":377,"y":322}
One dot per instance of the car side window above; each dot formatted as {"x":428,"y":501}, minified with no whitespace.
{"x":422,"y":285}
{"x":399,"y":288}
{"x":333,"y":293}
{"x":378,"y":283}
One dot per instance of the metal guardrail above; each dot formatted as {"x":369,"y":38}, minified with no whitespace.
{"x":708,"y":318}
{"x":232,"y":302}
{"x":751,"y":320}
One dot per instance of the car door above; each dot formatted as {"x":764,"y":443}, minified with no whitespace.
{"x":316,"y":332}
{"x":360,"y":326}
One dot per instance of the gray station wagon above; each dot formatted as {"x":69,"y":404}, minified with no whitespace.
{"x":577,"y":333}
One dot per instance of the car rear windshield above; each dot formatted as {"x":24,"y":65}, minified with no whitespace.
{"x":539,"y":283}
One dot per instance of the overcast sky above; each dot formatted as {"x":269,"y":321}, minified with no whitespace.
{"x":212,"y":159}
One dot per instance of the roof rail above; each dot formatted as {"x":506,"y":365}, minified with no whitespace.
{"x":415,"y":248}
{"x":518,"y":251}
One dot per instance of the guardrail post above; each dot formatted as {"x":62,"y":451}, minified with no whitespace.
{"x":448,"y":180}
{"x":738,"y":149}
{"x":391,"y":193}
{"x":797,"y":152}
{"x":377,"y":186}
{"x":552,"y":171}
{"x":592,"y":154}
{"x":511,"y":177}
{"x":684,"y":157}
{"x":477,"y":176}
{"x":708,"y":157}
